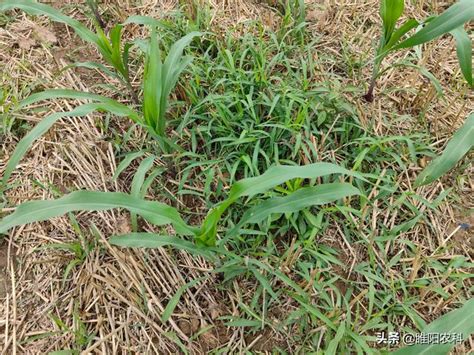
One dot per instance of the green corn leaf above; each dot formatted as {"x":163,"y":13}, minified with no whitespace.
{"x":160,"y":79}
{"x":104,"y":103}
{"x":36,"y":211}
{"x":137,"y":183}
{"x":153,"y":241}
{"x":110,"y":50}
{"x":40,"y":129}
{"x":104,"y":45}
{"x":461,"y":142}
{"x":140,"y":174}
{"x":35,"y":8}
{"x":53,"y":94}
{"x":272,"y":177}
{"x":153,"y":84}
{"x":302,"y":198}
{"x":454,"y":17}
{"x":457,"y":321}
{"x":116,"y":55}
{"x":464,"y":52}
{"x":400,"y":32}
{"x":390,"y":12}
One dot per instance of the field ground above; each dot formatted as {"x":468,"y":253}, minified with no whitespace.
{"x":398,"y":263}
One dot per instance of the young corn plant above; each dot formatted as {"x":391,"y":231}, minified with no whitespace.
{"x":160,"y":77}
{"x":450,"y":21}
{"x":161,"y":214}
{"x":159,"y":80}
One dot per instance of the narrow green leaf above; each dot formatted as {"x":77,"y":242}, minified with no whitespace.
{"x":152,"y":84}
{"x":333,"y":344}
{"x":464,"y":52}
{"x":140,"y":174}
{"x":137,"y":183}
{"x":126,"y":162}
{"x":41,"y":128}
{"x":241,"y":322}
{"x":150,"y":240}
{"x":22,"y":147}
{"x":35,"y":8}
{"x":454,"y":17}
{"x":53,"y":94}
{"x":302,"y":198}
{"x":36,"y":211}
{"x":399,"y":33}
{"x":106,"y":103}
{"x":264,"y":282}
{"x":272,"y":177}
{"x":390,"y":12}
{"x":454,"y":322}
{"x":173,"y":302}
{"x":461,"y":142}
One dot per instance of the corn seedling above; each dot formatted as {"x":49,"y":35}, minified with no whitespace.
{"x":161,"y":214}
{"x":450,"y":21}
{"x":159,"y":77}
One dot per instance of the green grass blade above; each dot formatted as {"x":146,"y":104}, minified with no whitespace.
{"x":461,"y":142}
{"x":464,"y":52}
{"x":137,"y":183}
{"x":264,"y":282}
{"x":457,"y":321}
{"x":173,"y":302}
{"x":126,"y":162}
{"x":334,"y":343}
{"x":35,"y":8}
{"x":41,"y":128}
{"x":36,"y":211}
{"x":150,"y":240}
{"x":454,"y":17}
{"x":302,"y":198}
{"x":390,"y":12}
